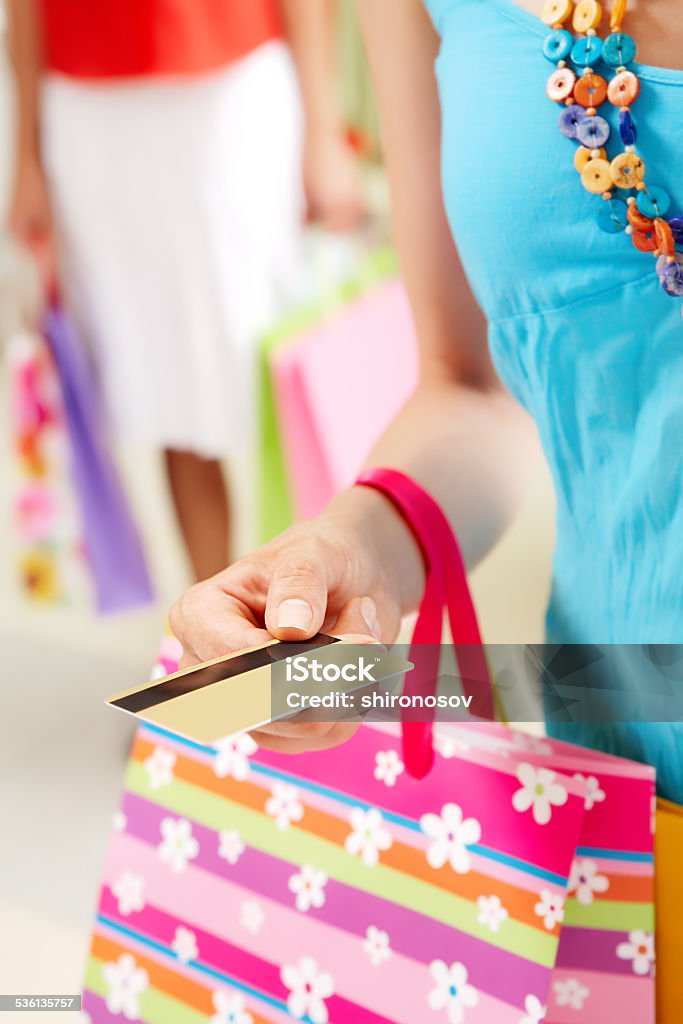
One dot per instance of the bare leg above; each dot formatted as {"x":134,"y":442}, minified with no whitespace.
{"x":202,"y":506}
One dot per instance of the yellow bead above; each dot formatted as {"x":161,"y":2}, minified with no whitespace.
{"x":587,"y":14}
{"x":556,"y":12}
{"x":617,"y":15}
{"x":627,"y":170}
{"x":583,"y":155}
{"x":595,"y":177}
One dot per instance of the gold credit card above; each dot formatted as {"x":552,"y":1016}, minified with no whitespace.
{"x":245,"y":691}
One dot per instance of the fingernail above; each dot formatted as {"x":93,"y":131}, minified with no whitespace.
{"x":368,"y":610}
{"x":294,"y":614}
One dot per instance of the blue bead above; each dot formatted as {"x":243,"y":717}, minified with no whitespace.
{"x":570,"y":118}
{"x":627,"y":128}
{"x":671,"y":277}
{"x":618,"y":50}
{"x":587,"y":52}
{"x":653,"y":201}
{"x":611,"y":216}
{"x":676,"y":225}
{"x":592,"y":132}
{"x":558,"y":45}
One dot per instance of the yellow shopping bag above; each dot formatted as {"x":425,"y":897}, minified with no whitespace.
{"x":669,"y":882}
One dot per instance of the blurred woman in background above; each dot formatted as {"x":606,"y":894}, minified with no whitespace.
{"x":161,"y":150}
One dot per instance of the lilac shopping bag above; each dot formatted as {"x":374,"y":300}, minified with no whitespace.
{"x":112,"y":542}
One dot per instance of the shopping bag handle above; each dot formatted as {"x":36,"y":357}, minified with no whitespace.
{"x":446,"y":587}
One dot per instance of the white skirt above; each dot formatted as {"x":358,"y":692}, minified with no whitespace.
{"x":178,"y":205}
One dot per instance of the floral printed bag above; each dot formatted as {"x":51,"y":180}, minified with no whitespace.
{"x":471,"y":876}
{"x":51,"y":559}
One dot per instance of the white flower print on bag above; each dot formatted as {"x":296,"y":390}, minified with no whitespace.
{"x":540,"y":792}
{"x":119,"y":822}
{"x":308,"y":990}
{"x":640,"y":950}
{"x":594,"y":794}
{"x":451,"y":835}
{"x":585,"y":880}
{"x":159,"y":767}
{"x":534,"y":1011}
{"x":230,"y":1008}
{"x":309,"y":887}
{"x":178,"y":844}
{"x":129,"y":890}
{"x":284,"y":805}
{"x":492,"y":913}
{"x":230,"y":845}
{"x":184,"y":945}
{"x":252,"y":916}
{"x":388,"y":767}
{"x":376,"y":945}
{"x":571,"y":993}
{"x":232,"y":756}
{"x":369,"y":836}
{"x":125,"y":983}
{"x":550,"y":908}
{"x":449,"y":746}
{"x":452,"y":993}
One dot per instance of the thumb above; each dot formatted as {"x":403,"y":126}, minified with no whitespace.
{"x":297,"y":599}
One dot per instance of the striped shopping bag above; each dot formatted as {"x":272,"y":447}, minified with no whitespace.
{"x":605,"y":960}
{"x":471,"y":876}
{"x":247,"y":887}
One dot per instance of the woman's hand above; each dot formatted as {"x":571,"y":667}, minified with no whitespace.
{"x":30,"y":218}
{"x":332,"y":182}
{"x":350,"y":572}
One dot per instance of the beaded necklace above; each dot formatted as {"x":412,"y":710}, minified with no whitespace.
{"x":582,"y":91}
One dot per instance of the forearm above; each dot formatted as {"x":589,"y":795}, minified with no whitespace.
{"x":310,"y":26}
{"x":473,"y":450}
{"x":25,"y":54}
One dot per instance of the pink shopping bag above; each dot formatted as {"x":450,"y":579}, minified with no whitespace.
{"x":605,"y":960}
{"x":338,"y":386}
{"x":496,"y":881}
{"x":334,"y":887}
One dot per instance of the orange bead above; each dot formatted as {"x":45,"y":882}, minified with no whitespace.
{"x":644,"y":241}
{"x":637,"y":220}
{"x":583,"y":155}
{"x":560,"y":85}
{"x":627,"y":170}
{"x":587,"y":15}
{"x":595,"y":176}
{"x":590,"y":90}
{"x":623,"y":89}
{"x":616,"y":17}
{"x":664,"y":236}
{"x":555,"y":12}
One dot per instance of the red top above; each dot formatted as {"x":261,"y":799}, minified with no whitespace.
{"x":120,"y":38}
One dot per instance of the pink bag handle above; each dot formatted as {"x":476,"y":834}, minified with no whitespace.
{"x":446,"y":587}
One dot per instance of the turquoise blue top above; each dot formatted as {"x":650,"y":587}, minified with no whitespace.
{"x":581,"y":333}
